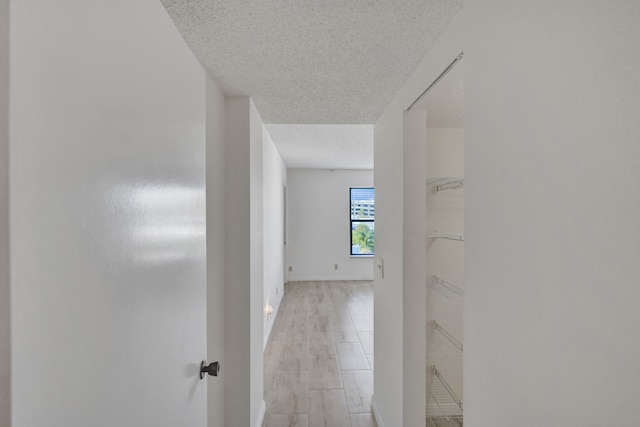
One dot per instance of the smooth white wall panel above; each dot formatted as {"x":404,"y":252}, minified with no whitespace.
{"x":108,"y":200}
{"x":552,"y":195}
{"x":387,"y":401}
{"x":414,"y":144}
{"x":216,"y":142}
{"x":237,"y":293}
{"x":243,"y":296}
{"x":5,"y":306}
{"x":274,"y":185}
{"x":256,"y":163}
{"x":318,"y":232}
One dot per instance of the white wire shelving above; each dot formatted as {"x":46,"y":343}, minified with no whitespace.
{"x":444,"y":288}
{"x":444,"y":422}
{"x":448,"y":236}
{"x":442,"y":183}
{"x":444,"y":343}
{"x":442,"y":402}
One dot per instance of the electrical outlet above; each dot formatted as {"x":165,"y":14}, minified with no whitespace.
{"x":277,"y":289}
{"x":335,"y":266}
{"x":290,"y":268}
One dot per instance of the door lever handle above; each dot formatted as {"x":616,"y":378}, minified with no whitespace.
{"x":212,"y":369}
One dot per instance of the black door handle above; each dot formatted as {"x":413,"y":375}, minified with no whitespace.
{"x":212,"y":369}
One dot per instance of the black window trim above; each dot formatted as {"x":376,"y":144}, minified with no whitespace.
{"x":351,"y":221}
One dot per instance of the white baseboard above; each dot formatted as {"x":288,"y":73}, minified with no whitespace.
{"x":376,"y":412}
{"x":261,"y":414}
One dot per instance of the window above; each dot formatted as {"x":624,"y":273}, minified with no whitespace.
{"x":362,"y":215}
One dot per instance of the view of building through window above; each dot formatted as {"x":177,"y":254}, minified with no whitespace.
{"x":362,"y":221}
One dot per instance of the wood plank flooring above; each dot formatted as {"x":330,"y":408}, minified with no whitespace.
{"x":318,"y":364}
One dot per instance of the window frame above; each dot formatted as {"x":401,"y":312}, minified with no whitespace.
{"x":352,"y":220}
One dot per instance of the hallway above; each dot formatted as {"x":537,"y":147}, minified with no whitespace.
{"x":318,"y":364}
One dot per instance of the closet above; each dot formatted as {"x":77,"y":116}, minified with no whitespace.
{"x":443,"y":192}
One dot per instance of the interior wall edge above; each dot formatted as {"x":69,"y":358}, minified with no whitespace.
{"x":376,"y":411}
{"x":5,"y":276}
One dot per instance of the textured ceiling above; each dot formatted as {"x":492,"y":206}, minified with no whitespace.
{"x":324,"y":146}
{"x":312,"y":61}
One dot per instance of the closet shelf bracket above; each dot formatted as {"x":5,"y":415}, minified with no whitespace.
{"x":448,"y":236}
{"x":444,"y":343}
{"x":446,"y":183}
{"x":443,"y":287}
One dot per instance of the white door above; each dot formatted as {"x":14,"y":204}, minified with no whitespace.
{"x":108,"y":217}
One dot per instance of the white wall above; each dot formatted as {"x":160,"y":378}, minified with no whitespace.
{"x":216,"y":142}
{"x":108,"y":261}
{"x":257,"y":406}
{"x":388,"y":291}
{"x":5,"y":314}
{"x":414,"y":143}
{"x":552,"y":194}
{"x":244,"y":404}
{"x":391,"y":334}
{"x":318,"y":225}
{"x":237,"y":259}
{"x":274,"y":186}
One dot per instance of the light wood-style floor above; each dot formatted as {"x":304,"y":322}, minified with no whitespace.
{"x":318,"y":363}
